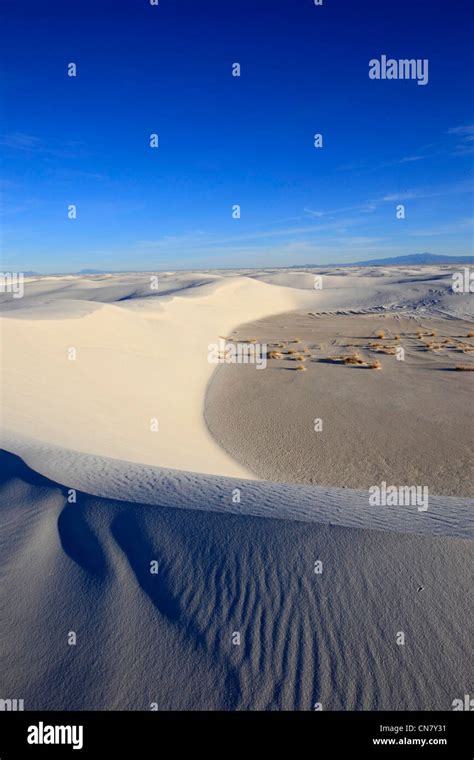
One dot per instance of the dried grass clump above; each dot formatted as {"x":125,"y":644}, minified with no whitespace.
{"x":380,"y":334}
{"x":465,"y":367}
{"x":274,"y":355}
{"x":470,"y":335}
{"x":396,"y":337}
{"x":298,"y":358}
{"x":353,"y":359}
{"x":292,"y":351}
{"x":382,"y":348}
{"x":301,"y":368}
{"x":375,"y":365}
{"x":467,"y":349}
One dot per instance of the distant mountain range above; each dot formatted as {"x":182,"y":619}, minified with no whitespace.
{"x":93,"y":271}
{"x":418,"y":258}
{"x":412,"y":259}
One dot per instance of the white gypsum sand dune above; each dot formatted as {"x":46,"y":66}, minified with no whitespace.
{"x":167,"y":639}
{"x":225,"y":566}
{"x":142,"y":354}
{"x":138,"y":359}
{"x":157,"y":486}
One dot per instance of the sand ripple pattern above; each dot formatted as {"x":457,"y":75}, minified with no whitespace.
{"x":167,"y":638}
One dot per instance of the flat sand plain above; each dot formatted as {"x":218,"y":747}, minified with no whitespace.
{"x":408,"y":423}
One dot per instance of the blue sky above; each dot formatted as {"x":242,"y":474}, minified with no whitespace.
{"x":225,"y":140}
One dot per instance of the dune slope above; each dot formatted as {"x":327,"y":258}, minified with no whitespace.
{"x":168,"y":638}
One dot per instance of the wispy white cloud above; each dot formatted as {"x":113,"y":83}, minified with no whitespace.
{"x":409,"y":159}
{"x":458,"y":227}
{"x":211,"y":240}
{"x":26,"y":143}
{"x":466,"y":186}
{"x":363,"y":208}
{"x":20,"y":141}
{"x":466,"y":131}
{"x":463,"y":133}
{"x":407,"y":195}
